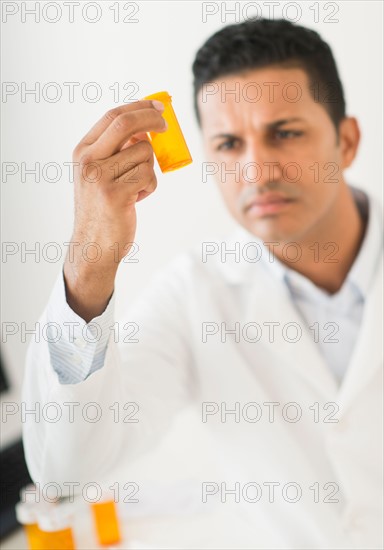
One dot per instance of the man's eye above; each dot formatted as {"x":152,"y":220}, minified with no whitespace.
{"x":227,"y":145}
{"x":288,"y":134}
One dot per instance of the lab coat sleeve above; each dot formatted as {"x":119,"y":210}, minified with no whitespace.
{"x":85,"y":432}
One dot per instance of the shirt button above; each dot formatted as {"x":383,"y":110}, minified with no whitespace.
{"x":80,"y":343}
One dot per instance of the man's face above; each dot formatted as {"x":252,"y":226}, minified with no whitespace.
{"x":278,"y":160}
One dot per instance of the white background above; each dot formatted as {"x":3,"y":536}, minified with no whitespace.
{"x":156,"y":53}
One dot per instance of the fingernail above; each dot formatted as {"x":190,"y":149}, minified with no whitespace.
{"x":158,"y":105}
{"x":165,"y":124}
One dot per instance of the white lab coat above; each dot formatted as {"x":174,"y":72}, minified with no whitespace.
{"x":172,"y":366}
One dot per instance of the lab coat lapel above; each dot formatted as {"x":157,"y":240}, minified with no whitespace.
{"x":270,"y":300}
{"x":367,"y":357}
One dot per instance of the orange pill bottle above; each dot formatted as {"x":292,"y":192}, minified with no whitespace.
{"x":106,"y":521}
{"x":26,"y":514}
{"x":56,"y":525}
{"x":170,"y":147}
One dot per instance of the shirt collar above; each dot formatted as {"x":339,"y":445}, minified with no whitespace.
{"x":360,"y":275}
{"x":365,"y":264}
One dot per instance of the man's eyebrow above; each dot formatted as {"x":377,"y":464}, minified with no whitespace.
{"x":229,"y":136}
{"x":281,"y":122}
{"x":269,"y":126}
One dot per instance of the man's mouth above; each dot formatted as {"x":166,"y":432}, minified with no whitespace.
{"x":271,"y":203}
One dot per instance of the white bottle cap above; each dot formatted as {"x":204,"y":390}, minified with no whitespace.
{"x":26,"y":513}
{"x":54,"y":519}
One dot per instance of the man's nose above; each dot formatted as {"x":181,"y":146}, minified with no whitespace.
{"x":260,"y":165}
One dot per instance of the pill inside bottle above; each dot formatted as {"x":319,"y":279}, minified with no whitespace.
{"x":170,"y":147}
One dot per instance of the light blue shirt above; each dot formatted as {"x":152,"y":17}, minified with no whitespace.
{"x":334,"y":319}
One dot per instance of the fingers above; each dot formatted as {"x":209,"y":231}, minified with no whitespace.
{"x":124,"y":161}
{"x":123,"y":127}
{"x":100,"y":126}
{"x":138,"y":180}
{"x":145,"y":193}
{"x":141,"y":136}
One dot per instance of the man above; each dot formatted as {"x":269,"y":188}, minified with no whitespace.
{"x":286,"y":335}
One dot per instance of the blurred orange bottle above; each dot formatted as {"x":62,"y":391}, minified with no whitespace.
{"x":56,"y":525}
{"x":106,"y":521}
{"x":28,"y":511}
{"x":26,"y":515}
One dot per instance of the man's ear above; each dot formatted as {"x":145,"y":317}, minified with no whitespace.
{"x":349,"y":139}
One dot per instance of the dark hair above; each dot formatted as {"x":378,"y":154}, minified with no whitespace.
{"x":258,"y":43}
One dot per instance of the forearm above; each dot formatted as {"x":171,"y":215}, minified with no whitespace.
{"x":88,"y":287}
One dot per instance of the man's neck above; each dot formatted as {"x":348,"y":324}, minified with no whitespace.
{"x":337,"y":243}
